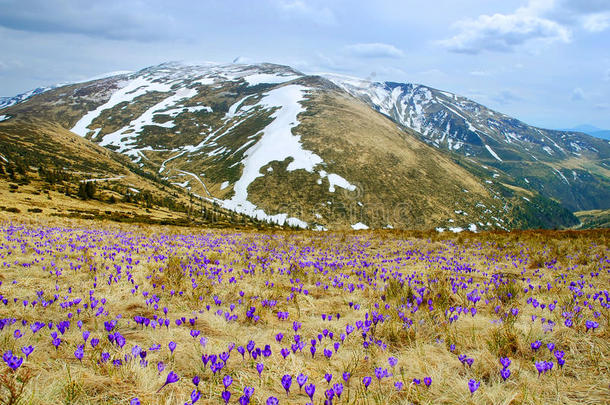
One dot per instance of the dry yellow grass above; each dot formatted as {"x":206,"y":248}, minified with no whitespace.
{"x":201,"y":262}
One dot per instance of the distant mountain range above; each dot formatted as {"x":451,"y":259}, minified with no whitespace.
{"x":329,"y":151}
{"x":591,"y":130}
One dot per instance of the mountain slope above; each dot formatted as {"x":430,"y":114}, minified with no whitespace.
{"x":273,"y":143}
{"x":570,"y":167}
{"x":46,"y":168}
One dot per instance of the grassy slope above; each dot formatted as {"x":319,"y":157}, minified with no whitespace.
{"x":400,"y":180}
{"x":34,"y":144}
{"x":594,"y":219}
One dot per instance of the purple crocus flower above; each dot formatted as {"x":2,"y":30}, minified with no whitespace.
{"x":328,"y":377}
{"x":6,"y":356}
{"x":427,"y":381}
{"x":94,"y":342}
{"x":56,"y":342}
{"x":226,"y":395}
{"x":392,"y":361}
{"x":366,"y":381}
{"x":310,"y":390}
{"x":171,"y":378}
{"x":536,"y":345}
{"x":15,"y":362}
{"x":259,"y":368}
{"x":338,"y":388}
{"x":505,"y":373}
{"x":398,"y":385}
{"x":172,"y":347}
{"x":287,"y":382}
{"x":301,"y":380}
{"x":473,"y":385}
{"x":160,"y":367}
{"x":227,"y":380}
{"x":79,"y":352}
{"x":119,"y":339}
{"x":27,"y":350}
{"x":346,"y":376}
{"x":272,"y":401}
{"x":330,"y":393}
{"x":195,"y":395}
{"x":134,"y":401}
{"x":591,"y":325}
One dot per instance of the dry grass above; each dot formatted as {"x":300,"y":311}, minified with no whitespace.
{"x":386,"y":270}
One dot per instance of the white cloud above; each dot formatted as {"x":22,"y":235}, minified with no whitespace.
{"x":108,"y":20}
{"x":374,"y":50}
{"x":590,"y":15}
{"x":506,"y":32}
{"x":301,"y":9}
{"x":480,"y":73}
{"x":578,"y":94}
{"x":596,"y":22}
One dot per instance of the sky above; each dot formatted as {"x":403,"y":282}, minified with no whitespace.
{"x":545,"y":62}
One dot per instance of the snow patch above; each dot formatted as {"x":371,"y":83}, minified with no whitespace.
{"x":4,"y":117}
{"x":224,"y":185}
{"x":561,"y":175}
{"x":260,"y":78}
{"x":491,"y":151}
{"x":277,"y":143}
{"x":359,"y":226}
{"x":147,"y":118}
{"x":205,"y":81}
{"x":336,"y":180}
{"x":131,"y":90}
{"x":104,"y":179}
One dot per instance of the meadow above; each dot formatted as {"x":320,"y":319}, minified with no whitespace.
{"x":98,"y":313}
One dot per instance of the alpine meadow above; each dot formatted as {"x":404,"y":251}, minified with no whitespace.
{"x":355,"y":203}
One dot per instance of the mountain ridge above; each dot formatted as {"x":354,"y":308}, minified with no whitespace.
{"x":205,"y":128}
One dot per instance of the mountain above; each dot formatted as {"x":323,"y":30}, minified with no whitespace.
{"x":276,"y":144}
{"x":6,"y":102}
{"x":591,"y":130}
{"x":567,"y":166}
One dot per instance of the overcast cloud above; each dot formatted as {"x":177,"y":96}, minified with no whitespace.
{"x":545,"y":62}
